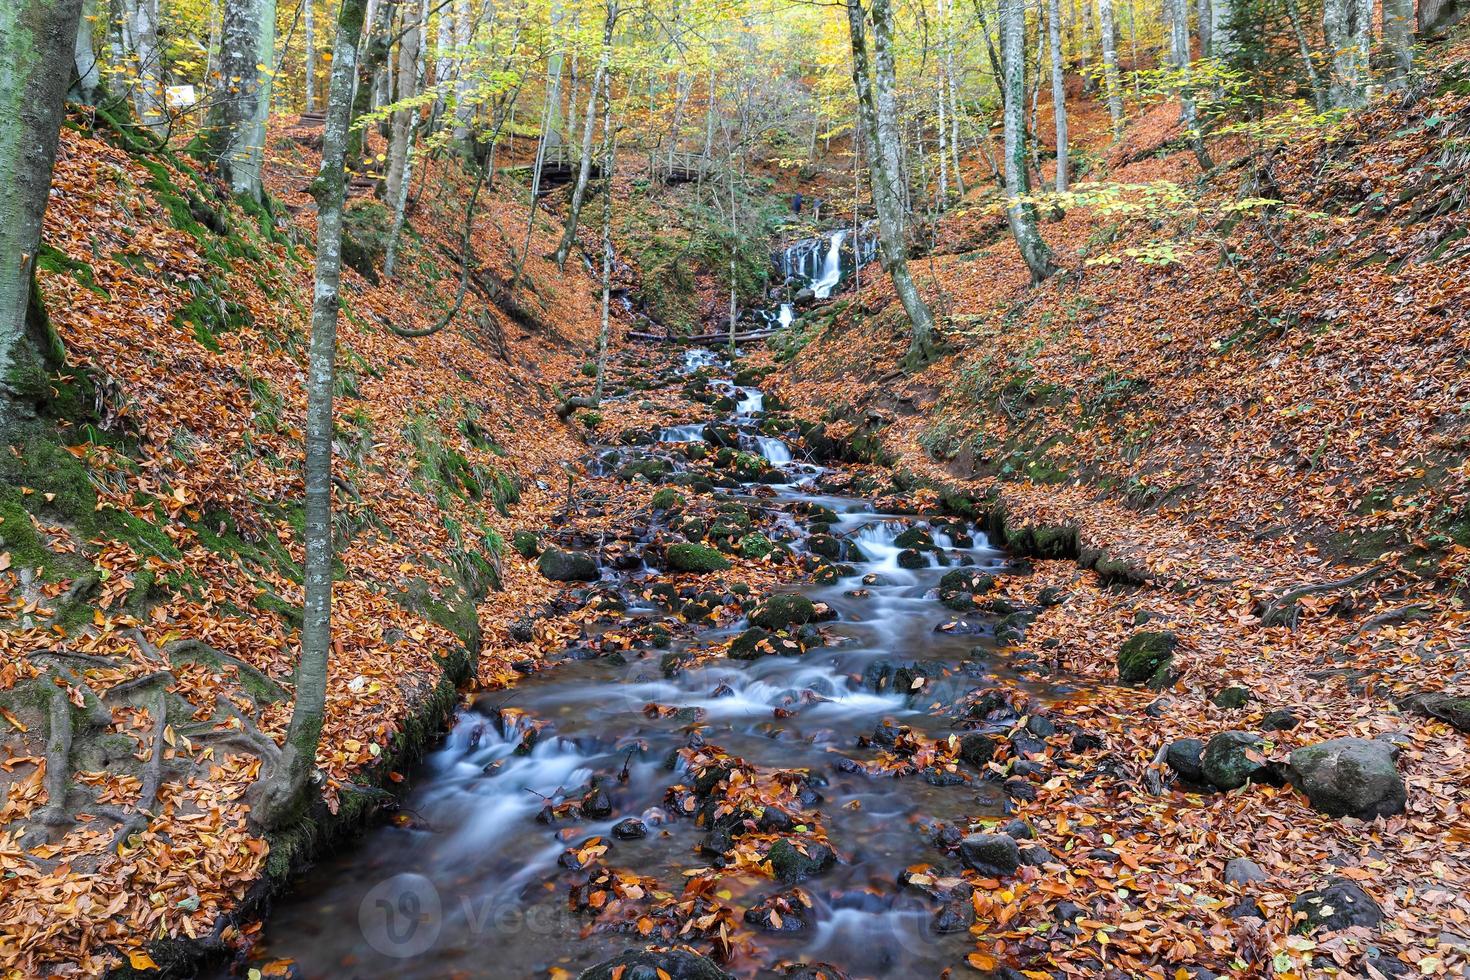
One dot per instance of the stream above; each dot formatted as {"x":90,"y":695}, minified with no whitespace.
{"x":473,"y":877}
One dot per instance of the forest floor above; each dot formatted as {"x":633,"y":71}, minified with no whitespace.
{"x":1204,"y":435}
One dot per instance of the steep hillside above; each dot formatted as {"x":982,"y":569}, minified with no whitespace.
{"x":1246,"y":423}
{"x":161,"y":527}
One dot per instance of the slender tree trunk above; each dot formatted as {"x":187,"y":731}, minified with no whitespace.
{"x":609,"y":157}
{"x":1111,"y":85}
{"x":241,"y":103}
{"x":308,"y":29}
{"x":879,"y":129}
{"x":1203,"y":18}
{"x":1020,"y":212}
{"x":600,"y":83}
{"x":1398,"y":38}
{"x":1089,"y":78}
{"x":1179,"y":51}
{"x":37,"y":49}
{"x":1309,"y":65}
{"x":404,"y":119}
{"x":1224,"y":45}
{"x":464,"y":111}
{"x":1058,"y":94}
{"x":88,"y":77}
{"x":375,"y":54}
{"x":954,"y":104}
{"x":281,"y":794}
{"x":1345,"y":30}
{"x":885,"y":93}
{"x":140,"y":33}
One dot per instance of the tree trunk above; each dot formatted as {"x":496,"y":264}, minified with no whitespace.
{"x":1223,"y":43}
{"x":375,"y":55}
{"x":885,"y":92}
{"x":1020,"y":212}
{"x":879,"y":128}
{"x":1112,"y":87}
{"x":1293,"y":14}
{"x":1346,"y":32}
{"x":1203,"y":18}
{"x":464,"y":112}
{"x":38,"y":46}
{"x":1438,"y":16}
{"x":600,"y":83}
{"x":140,"y":37}
{"x":88,"y":77}
{"x":242,"y":101}
{"x":1179,"y":52}
{"x":1058,"y":94}
{"x":609,"y":156}
{"x":404,"y":119}
{"x":1398,"y":38}
{"x":279,"y":796}
{"x":309,"y":69}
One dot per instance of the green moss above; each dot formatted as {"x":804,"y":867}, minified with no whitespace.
{"x":695,"y":558}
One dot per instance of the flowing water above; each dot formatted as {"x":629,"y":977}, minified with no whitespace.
{"x":467,"y":882}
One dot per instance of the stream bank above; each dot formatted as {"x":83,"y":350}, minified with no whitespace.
{"x":774,"y":729}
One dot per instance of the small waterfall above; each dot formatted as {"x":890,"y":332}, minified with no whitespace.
{"x":775,"y":451}
{"x":697,"y":358}
{"x":786,"y":315}
{"x":751,"y":402}
{"x":831,"y":267}
{"x":682,"y":433}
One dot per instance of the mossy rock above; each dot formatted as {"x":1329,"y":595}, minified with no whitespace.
{"x":525,"y":543}
{"x":756,"y":546}
{"x":667,"y":499}
{"x":567,"y":566}
{"x":781,"y":612}
{"x":793,"y":860}
{"x":1143,"y":655}
{"x":687,"y":557}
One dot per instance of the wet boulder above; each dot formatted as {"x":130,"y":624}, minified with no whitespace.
{"x":917,"y":538}
{"x":1145,"y":655}
{"x":1183,"y":756}
{"x":783,"y":912}
{"x":1231,"y":697}
{"x":1338,"y":904}
{"x":795,"y":859}
{"x":566,"y":566}
{"x":722,"y":434}
{"x":1232,"y":759}
{"x":630,"y":828}
{"x":1280,"y":720}
{"x":525,"y":544}
{"x":674,"y":964}
{"x":695,"y":558}
{"x":912,"y":558}
{"x":781,"y":612}
{"x":1349,"y":777}
{"x":977,"y":749}
{"x":813,"y":971}
{"x":959,"y":589}
{"x":992,"y":855}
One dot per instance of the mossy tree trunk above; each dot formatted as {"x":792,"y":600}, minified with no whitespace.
{"x":1058,"y":92}
{"x":37,"y":39}
{"x":880,"y":130}
{"x":1019,"y":210}
{"x":589,"y":126}
{"x":280,"y":794}
{"x":241,"y":100}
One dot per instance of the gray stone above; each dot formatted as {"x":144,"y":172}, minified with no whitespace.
{"x":995,"y":855}
{"x":1337,"y":904}
{"x":1349,"y":777}
{"x":1183,"y":757}
{"x":566,"y":566}
{"x":1243,"y":871}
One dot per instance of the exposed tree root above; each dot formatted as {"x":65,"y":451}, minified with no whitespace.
{"x":1283,"y":610}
